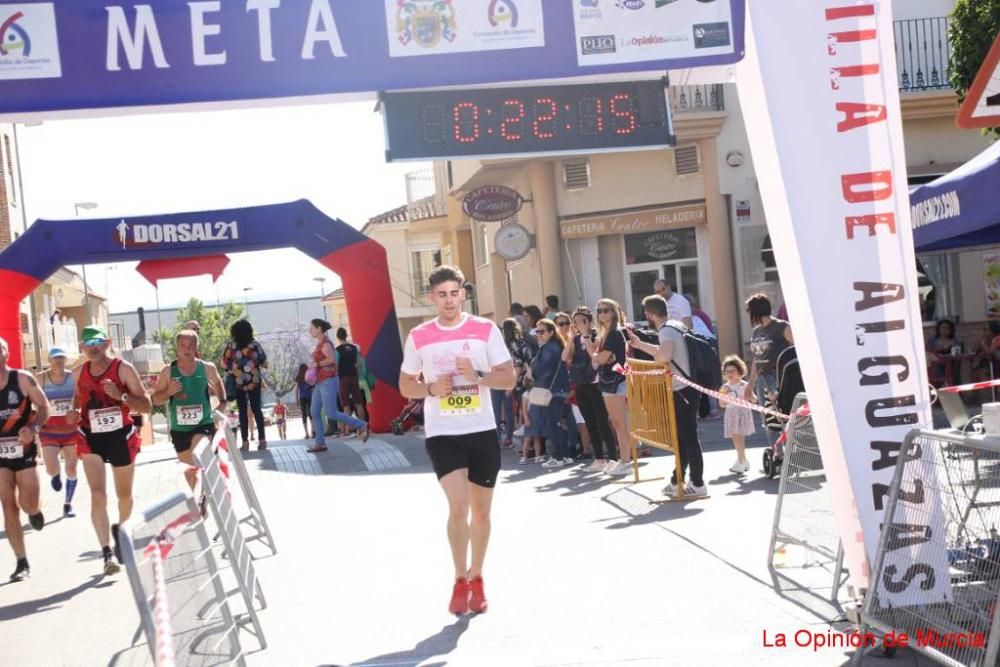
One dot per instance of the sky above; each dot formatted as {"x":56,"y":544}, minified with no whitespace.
{"x":332,"y":155}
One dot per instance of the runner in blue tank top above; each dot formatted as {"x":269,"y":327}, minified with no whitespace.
{"x":57,"y":436}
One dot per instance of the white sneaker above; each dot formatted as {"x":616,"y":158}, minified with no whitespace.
{"x":568,"y":461}
{"x":553,"y":463}
{"x":541,"y":459}
{"x":596,"y":466}
{"x":609,"y":466}
{"x":670,"y":490}
{"x":621,"y":469}
{"x":692,"y":491}
{"x":739,"y":468}
{"x":525,"y":460}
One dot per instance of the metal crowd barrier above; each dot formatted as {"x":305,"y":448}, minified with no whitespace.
{"x":804,"y":534}
{"x":173,"y":572}
{"x":962,"y":473}
{"x":255,"y":519}
{"x":219,"y":500}
{"x":649,"y":389}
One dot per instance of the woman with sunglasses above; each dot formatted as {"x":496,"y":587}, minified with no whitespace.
{"x":609,"y":359}
{"x":583,"y":376}
{"x":576,"y":433}
{"x":550,"y":373}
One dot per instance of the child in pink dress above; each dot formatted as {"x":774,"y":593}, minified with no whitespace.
{"x":738,"y":423}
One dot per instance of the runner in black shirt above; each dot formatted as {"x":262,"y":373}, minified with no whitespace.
{"x":23,"y":410}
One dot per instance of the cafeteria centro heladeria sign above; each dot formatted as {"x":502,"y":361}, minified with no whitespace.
{"x":89,"y":57}
{"x":635,"y":222}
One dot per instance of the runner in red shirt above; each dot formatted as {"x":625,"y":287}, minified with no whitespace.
{"x":107,"y":391}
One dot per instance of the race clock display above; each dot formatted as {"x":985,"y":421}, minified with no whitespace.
{"x":527,"y":120}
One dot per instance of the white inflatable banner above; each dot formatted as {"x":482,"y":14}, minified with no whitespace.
{"x":821,"y":103}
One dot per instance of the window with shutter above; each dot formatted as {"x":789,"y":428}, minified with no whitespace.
{"x":686,"y":160}
{"x":576,"y":174}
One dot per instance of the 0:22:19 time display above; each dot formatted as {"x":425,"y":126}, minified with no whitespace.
{"x":540,"y":119}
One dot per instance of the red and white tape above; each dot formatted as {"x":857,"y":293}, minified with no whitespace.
{"x":164,"y":648}
{"x":743,"y":403}
{"x":157,"y":550}
{"x":988,"y":384}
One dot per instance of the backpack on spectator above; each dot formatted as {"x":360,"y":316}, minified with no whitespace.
{"x":706,"y":368}
{"x":646,"y":336}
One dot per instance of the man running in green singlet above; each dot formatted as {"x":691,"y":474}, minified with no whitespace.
{"x":187,"y":386}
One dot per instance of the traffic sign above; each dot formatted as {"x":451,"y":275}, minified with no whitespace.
{"x":981,"y":107}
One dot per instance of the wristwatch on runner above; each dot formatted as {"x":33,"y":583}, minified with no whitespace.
{"x":124,"y":398}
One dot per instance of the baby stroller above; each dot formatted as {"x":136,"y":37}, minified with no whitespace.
{"x":789,"y":386}
{"x":411,"y":415}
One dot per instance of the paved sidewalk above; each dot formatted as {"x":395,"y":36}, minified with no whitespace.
{"x":582,"y":571}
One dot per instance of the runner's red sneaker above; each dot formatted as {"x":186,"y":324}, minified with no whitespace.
{"x":460,"y":597}
{"x":477,"y":598}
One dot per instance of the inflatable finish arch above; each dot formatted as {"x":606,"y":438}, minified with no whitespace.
{"x":360,"y":262}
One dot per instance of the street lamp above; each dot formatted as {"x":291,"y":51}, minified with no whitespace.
{"x":322,"y":294}
{"x":246,"y":306}
{"x":86,"y":206}
{"x":32,"y":304}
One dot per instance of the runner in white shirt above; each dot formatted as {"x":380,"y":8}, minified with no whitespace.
{"x":452,"y":362}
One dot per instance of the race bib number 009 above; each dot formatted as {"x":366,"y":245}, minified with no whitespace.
{"x":190,"y":415}
{"x":106,"y":420}
{"x":11,"y":449}
{"x":60,"y":407}
{"x":463,"y":401}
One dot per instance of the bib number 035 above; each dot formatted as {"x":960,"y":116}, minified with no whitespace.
{"x":11,"y":449}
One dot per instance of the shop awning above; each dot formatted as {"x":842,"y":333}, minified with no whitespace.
{"x":960,"y":209}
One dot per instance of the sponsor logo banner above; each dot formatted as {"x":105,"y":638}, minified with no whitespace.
{"x":634,"y":222}
{"x":828,"y":87}
{"x":428,"y":27}
{"x":630,"y":31}
{"x":29,"y":45}
{"x":112,"y":58}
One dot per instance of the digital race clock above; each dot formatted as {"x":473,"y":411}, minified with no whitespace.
{"x":519,"y":121}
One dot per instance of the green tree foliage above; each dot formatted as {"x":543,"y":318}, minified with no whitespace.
{"x":214,"y":334}
{"x":973,"y":28}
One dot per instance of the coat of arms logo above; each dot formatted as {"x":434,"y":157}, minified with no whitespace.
{"x":425,"y":22}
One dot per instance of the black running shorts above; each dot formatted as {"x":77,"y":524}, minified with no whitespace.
{"x":182,"y":439}
{"x":119,"y":448}
{"x":26,"y":462}
{"x":478,"y":452}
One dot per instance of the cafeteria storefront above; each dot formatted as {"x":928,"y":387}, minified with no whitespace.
{"x":620,"y":254}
